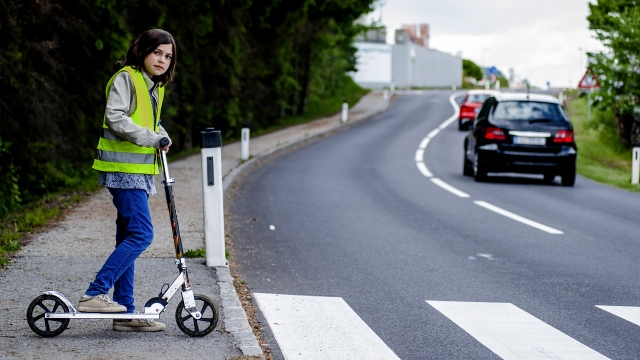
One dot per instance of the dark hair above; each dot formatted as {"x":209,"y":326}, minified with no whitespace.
{"x":144,"y":45}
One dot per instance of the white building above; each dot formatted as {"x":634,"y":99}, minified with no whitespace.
{"x":416,"y":66}
{"x":406,"y":65}
{"x":373,"y":64}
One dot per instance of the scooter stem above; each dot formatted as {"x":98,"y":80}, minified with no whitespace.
{"x":173,"y":217}
{"x":187,"y":293}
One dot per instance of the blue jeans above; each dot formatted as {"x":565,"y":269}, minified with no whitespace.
{"x":134,"y":233}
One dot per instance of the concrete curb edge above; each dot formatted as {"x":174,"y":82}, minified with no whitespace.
{"x":235,"y":318}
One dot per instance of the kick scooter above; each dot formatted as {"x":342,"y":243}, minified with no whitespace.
{"x":48,"y":315}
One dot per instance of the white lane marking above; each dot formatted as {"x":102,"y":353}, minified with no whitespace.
{"x":487,"y":256}
{"x":449,"y":188}
{"x":318,"y":327}
{"x":629,"y":313}
{"x":423,"y":169}
{"x":456,"y":108}
{"x":424,"y":143}
{"x":512,"y":333}
{"x":448,"y":122}
{"x":518,"y":218}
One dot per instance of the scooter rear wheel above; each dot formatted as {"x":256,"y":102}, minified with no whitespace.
{"x":198,"y":327}
{"x":36,"y":316}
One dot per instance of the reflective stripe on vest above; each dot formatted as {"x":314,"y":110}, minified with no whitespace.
{"x":115,"y":154}
{"x":123,"y":157}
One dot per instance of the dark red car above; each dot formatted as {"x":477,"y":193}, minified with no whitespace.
{"x":471,"y":105}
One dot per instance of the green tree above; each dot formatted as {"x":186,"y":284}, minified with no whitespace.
{"x":470,"y":69}
{"x":504,"y":82}
{"x":54,"y":62}
{"x":238,"y":61}
{"x":617,"y":24}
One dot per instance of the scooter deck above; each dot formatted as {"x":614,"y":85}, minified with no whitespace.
{"x":88,"y":315}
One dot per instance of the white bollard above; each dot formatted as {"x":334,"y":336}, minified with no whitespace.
{"x":245,"y":144}
{"x":486,"y":84}
{"x":635,"y":166}
{"x":561,"y":98}
{"x":345,"y":111}
{"x":385,"y":94}
{"x":497,"y":85}
{"x":211,"y":150}
{"x":393,"y":88}
{"x":453,"y":87}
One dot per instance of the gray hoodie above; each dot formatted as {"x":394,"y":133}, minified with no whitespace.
{"x":121,"y":104}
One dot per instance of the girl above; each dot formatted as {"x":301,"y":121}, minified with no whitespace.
{"x":126,"y":159}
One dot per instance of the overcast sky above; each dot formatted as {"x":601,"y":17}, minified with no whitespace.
{"x":539,"y":39}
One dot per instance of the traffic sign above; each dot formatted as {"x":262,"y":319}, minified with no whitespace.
{"x":589,"y":81}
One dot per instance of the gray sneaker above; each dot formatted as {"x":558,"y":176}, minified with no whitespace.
{"x":100,"y":304}
{"x":138,"y":325}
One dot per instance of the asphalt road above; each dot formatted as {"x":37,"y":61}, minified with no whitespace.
{"x":356,"y":219}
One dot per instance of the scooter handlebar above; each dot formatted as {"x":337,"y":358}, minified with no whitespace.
{"x":164,"y":142}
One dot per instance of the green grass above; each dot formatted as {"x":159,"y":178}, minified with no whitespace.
{"x":195,"y":253}
{"x":317,"y":107}
{"x":201,"y":252}
{"x":31,"y":218}
{"x":601,"y":156}
{"x":320,"y":106}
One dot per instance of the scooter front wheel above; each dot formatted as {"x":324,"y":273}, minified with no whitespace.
{"x":36,"y":316}
{"x":198,"y":327}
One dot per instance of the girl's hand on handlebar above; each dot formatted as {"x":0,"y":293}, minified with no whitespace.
{"x":166,"y":148}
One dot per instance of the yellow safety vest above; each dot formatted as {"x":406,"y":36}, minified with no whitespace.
{"x":115,"y":154}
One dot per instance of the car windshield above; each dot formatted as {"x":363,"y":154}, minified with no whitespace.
{"x":528,"y":110}
{"x":477,"y":98}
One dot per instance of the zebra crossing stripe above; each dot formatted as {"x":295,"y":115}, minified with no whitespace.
{"x":512,"y":333}
{"x":629,"y":313}
{"x":318,"y":327}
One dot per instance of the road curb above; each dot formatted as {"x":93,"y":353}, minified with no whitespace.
{"x":236,"y":321}
{"x":235,"y":318}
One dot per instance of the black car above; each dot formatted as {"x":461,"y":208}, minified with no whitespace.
{"x":521,"y":133}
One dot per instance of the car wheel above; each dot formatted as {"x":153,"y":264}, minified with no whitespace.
{"x":569,"y":178}
{"x":467,"y":169}
{"x":549,"y":177}
{"x":479,"y":174}
{"x":460,"y":126}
